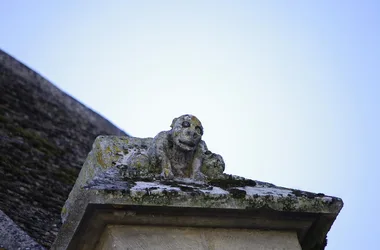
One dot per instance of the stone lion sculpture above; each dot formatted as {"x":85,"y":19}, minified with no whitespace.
{"x":179,"y":152}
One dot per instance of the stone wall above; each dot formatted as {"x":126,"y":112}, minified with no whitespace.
{"x":45,"y":136}
{"x":188,"y":238}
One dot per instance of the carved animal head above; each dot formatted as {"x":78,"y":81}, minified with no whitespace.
{"x":186,"y":132}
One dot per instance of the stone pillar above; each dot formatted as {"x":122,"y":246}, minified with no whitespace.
{"x":115,"y":205}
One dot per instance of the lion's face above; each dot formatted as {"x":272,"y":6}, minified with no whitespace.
{"x":186,"y":132}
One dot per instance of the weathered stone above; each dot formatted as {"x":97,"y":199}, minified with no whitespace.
{"x":103,"y":196}
{"x":45,"y":136}
{"x":13,"y":237}
{"x":179,"y":152}
{"x":189,"y":238}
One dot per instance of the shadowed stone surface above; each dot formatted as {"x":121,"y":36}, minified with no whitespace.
{"x":12,"y":237}
{"x":45,"y":136}
{"x":103,"y":196}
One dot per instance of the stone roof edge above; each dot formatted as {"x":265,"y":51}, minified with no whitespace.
{"x":13,"y":237}
{"x":70,"y":102}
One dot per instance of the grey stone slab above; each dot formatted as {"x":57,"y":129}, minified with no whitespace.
{"x":166,"y":238}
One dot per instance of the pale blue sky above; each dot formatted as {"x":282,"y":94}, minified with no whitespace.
{"x":288,"y":91}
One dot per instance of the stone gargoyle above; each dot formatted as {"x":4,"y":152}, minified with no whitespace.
{"x":177,"y":153}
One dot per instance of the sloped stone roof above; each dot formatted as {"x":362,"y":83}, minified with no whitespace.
{"x":45,"y":136}
{"x":13,"y":237}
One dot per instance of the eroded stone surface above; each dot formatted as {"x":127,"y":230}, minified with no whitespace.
{"x":179,"y":152}
{"x":103,"y":180}
{"x":103,"y":172}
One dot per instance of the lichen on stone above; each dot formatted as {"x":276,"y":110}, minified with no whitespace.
{"x":173,"y":170}
{"x":179,"y":152}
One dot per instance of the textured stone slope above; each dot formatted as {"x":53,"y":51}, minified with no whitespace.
{"x":45,"y":136}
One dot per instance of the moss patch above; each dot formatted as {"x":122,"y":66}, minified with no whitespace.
{"x":237,"y":193}
{"x":231,"y":182}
